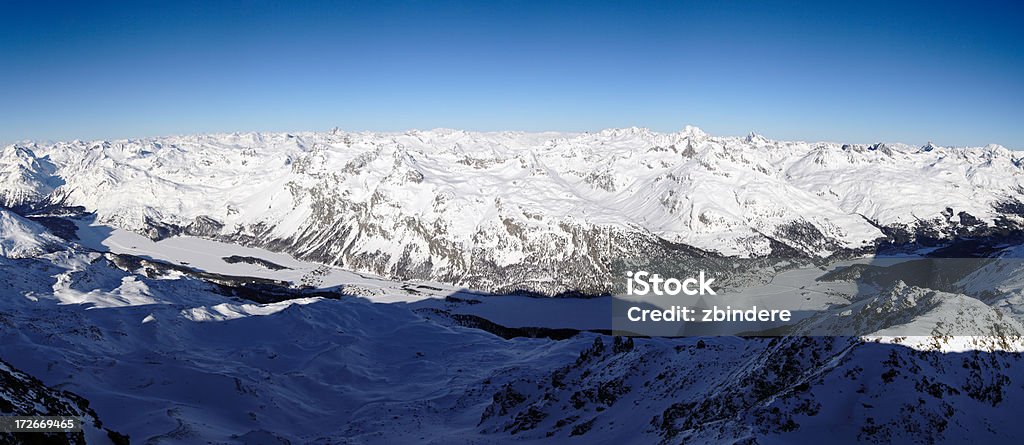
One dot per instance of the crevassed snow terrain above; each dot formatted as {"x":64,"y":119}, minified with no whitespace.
{"x":547,"y":212}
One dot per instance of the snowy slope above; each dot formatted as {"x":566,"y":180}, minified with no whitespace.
{"x":171,"y":360}
{"x":25,"y":177}
{"x":191,"y":365}
{"x":903,"y":310}
{"x":759,"y":391}
{"x":507,"y":210}
{"x":173,"y":357}
{"x":20,"y":237}
{"x":240,"y":261}
{"x":24,"y":395}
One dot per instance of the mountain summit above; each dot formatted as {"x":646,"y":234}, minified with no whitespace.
{"x":542,"y":211}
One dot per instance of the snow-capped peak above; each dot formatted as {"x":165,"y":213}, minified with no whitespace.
{"x":693,"y":132}
{"x":754,"y":138}
{"x":460,"y":207}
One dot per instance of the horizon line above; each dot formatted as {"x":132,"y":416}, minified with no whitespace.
{"x":684,"y":128}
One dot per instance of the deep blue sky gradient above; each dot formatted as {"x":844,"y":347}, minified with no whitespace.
{"x":865,"y":71}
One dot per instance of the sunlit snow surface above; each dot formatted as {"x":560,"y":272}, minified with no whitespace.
{"x":171,"y":359}
{"x":797,"y":289}
{"x":439,"y":204}
{"x":191,"y":367}
{"x":23,"y":238}
{"x":208,"y":255}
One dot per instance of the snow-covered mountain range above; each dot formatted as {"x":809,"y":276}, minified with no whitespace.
{"x":219,"y":288}
{"x":547,"y":212}
{"x":169,"y":353}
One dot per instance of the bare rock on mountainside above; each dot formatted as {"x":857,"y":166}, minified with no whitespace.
{"x":546,"y":212}
{"x":24,"y":395}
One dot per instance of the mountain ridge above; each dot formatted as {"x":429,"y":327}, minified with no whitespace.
{"x":545,"y":212}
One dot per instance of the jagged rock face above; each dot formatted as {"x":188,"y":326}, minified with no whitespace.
{"x":546,"y":212}
{"x":209,"y":368}
{"x":24,"y":395}
{"x":785,"y":390}
{"x":903,"y":310}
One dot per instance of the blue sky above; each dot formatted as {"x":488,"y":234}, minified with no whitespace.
{"x":867,"y":71}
